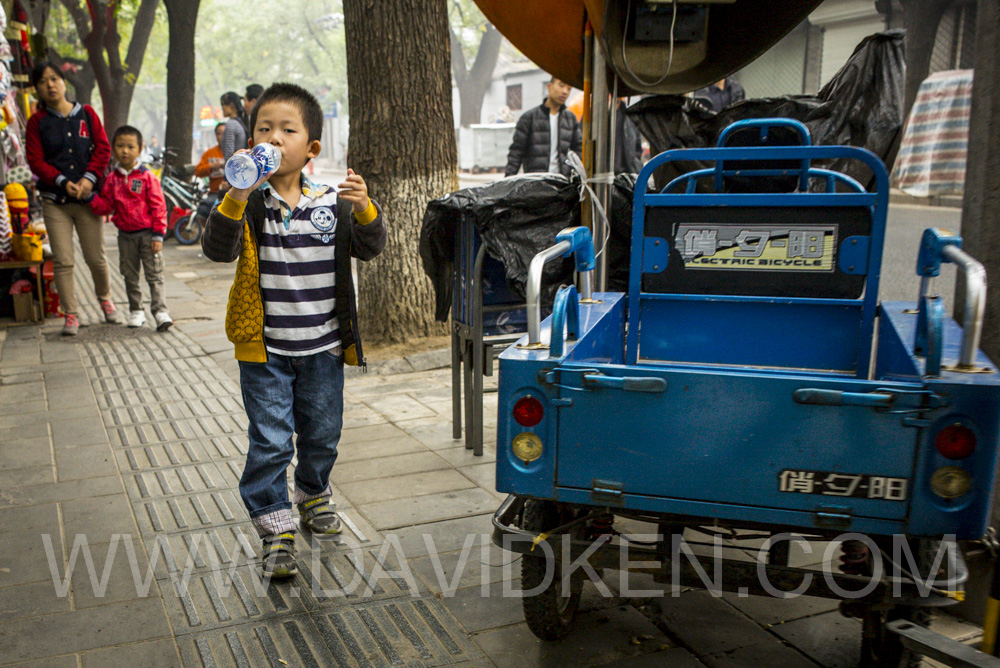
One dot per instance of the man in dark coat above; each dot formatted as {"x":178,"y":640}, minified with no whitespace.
{"x":721,"y":94}
{"x":545,"y":135}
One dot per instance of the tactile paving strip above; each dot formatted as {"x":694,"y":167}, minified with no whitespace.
{"x":190,"y":512}
{"x":179,"y":433}
{"x":161,"y":455}
{"x":178,"y":430}
{"x":404,"y":632}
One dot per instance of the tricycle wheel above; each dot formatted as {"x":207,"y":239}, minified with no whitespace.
{"x":549,"y":613}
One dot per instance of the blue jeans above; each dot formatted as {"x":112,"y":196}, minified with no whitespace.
{"x":304,"y":395}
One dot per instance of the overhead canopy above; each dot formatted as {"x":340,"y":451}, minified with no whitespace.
{"x":732,"y":34}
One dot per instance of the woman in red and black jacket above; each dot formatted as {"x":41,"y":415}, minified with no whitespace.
{"x":68,"y":152}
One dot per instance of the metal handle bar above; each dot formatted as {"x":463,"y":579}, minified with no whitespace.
{"x":766,"y":124}
{"x":975,"y":301}
{"x":570,"y":241}
{"x":565,"y":311}
{"x":937,"y":246}
{"x":690,"y":179}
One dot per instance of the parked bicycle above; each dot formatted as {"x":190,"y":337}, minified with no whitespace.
{"x":183,"y":196}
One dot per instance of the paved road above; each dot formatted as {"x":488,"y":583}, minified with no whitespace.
{"x":905,"y":226}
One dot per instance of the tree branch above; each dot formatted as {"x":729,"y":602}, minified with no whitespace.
{"x":458,"y":69}
{"x":79,"y":17}
{"x":88,"y":27}
{"x":145,"y":19}
{"x":39,"y":15}
{"x":315,"y":36}
{"x":489,"y":51}
{"x":312,"y":63}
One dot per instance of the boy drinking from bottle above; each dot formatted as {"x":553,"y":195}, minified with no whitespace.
{"x":292,"y":317}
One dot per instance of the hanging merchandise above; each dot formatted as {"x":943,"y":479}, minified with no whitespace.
{"x":20,"y":46}
{"x":5,"y":54}
{"x":6,"y":244}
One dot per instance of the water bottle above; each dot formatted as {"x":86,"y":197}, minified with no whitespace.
{"x":245,"y":169}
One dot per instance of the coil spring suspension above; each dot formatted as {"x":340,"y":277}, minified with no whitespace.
{"x":602,"y":525}
{"x":855,"y":558}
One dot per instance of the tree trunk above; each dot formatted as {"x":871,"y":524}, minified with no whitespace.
{"x":181,"y":18}
{"x":922,"y":18}
{"x":403,"y":143}
{"x":981,"y":206}
{"x":473,"y":84}
{"x":117,"y":100}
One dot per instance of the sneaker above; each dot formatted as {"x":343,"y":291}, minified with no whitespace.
{"x":163,"y":321}
{"x":278,"y":556}
{"x":136,"y":318}
{"x":71,"y":326}
{"x":110,"y":312}
{"x":319,"y":517}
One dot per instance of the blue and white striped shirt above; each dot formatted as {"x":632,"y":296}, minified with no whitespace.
{"x":297,"y":277}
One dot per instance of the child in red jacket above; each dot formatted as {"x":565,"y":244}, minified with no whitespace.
{"x":132,"y":195}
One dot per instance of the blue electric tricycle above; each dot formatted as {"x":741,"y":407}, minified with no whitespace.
{"x":750,"y":385}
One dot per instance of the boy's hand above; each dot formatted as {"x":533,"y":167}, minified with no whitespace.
{"x":242,"y":194}
{"x":355,"y":191}
{"x":72,"y":189}
{"x":157,"y":246}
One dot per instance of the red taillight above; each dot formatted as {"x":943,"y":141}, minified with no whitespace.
{"x":528,"y":411}
{"x":955,"y":441}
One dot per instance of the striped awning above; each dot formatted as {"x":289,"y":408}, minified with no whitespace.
{"x":932,"y":156}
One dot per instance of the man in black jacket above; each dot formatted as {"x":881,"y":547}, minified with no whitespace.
{"x":545,"y":135}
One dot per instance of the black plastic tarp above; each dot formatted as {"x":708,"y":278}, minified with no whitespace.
{"x":862,"y":105}
{"x":517,"y":218}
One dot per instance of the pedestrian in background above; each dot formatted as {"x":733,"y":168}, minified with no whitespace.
{"x":236,"y":134}
{"x":545,"y":135}
{"x":723,"y":93}
{"x":211,"y":166}
{"x":131,"y":195}
{"x":69,"y":152}
{"x":254,"y":91}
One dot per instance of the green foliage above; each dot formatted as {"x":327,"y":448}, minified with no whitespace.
{"x":300,"y":41}
{"x":62,"y":35}
{"x":468,"y":24}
